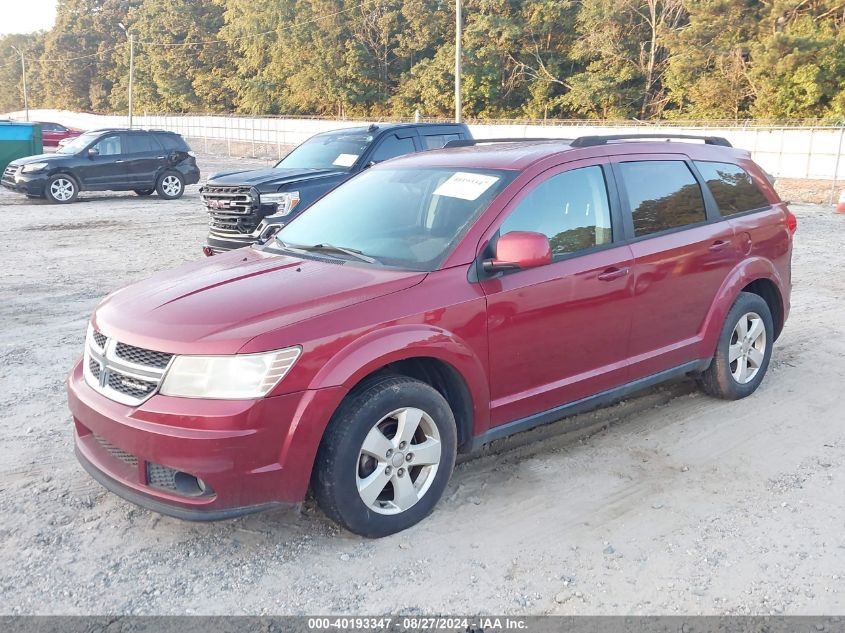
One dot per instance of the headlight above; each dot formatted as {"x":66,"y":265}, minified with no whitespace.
{"x":285,"y":201}
{"x":34,"y":167}
{"x":237,"y":377}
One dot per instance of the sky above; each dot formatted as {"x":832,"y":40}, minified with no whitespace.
{"x":26,"y":16}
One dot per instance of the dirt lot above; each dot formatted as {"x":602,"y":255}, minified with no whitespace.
{"x":678,"y":503}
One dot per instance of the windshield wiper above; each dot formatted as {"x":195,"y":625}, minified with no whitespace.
{"x":330,"y":248}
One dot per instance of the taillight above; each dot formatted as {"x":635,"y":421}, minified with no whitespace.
{"x":206,"y":250}
{"x":791,"y":222}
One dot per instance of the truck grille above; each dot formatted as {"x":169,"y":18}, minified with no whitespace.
{"x":230,"y":209}
{"x":121,"y":372}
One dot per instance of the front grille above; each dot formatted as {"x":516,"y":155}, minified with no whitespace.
{"x":231,"y":210}
{"x":122,"y":372}
{"x":161,"y":476}
{"x":116,"y":452}
{"x":141,"y":356}
{"x":10,"y":172}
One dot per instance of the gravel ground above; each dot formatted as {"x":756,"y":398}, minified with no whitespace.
{"x":671,"y":502}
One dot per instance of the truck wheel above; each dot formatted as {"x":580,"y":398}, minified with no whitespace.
{"x":743,"y":352}
{"x":170,"y":185}
{"x":386,"y":456}
{"x":61,"y":189}
{"x":144,"y":192}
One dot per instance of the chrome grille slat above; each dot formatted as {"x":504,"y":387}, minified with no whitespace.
{"x":123,"y":372}
{"x":231,"y":209}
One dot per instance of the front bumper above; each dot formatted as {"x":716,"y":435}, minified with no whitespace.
{"x":216,"y":244}
{"x":249,"y":454}
{"x":30,"y":184}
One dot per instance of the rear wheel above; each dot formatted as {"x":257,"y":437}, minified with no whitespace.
{"x":170,"y":185}
{"x":61,"y":189}
{"x":743,"y":352}
{"x":386,"y":457}
{"x":144,"y":192}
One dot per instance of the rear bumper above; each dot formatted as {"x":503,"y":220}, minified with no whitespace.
{"x":190,"y":173}
{"x":249,"y":454}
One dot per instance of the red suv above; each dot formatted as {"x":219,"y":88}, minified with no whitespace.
{"x":426,"y":307}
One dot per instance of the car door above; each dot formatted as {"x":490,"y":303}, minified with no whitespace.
{"x":106,"y":168}
{"x":559,"y":333}
{"x":682,"y":253}
{"x":143,"y":157}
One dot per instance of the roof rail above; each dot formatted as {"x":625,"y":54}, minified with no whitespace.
{"x":590,"y":141}
{"x":469,"y":142}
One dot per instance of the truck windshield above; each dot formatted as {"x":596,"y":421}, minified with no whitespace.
{"x":78,"y":144}
{"x":333,"y":150}
{"x":407,"y":218}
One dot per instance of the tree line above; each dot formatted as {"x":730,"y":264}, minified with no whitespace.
{"x":600,"y":59}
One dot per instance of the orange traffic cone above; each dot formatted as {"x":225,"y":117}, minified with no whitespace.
{"x":840,"y":208}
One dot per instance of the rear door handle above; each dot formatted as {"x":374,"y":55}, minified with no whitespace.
{"x":613,"y":273}
{"x":719,"y":245}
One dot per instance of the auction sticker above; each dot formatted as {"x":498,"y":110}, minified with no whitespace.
{"x":345,"y":160}
{"x":465,"y":185}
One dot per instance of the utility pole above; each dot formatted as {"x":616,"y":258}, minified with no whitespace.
{"x":23,"y":75}
{"x":458,"y":29}
{"x":131,"y":37}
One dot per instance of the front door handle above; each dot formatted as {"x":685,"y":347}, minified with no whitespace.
{"x":719,"y":245}
{"x":613,"y":273}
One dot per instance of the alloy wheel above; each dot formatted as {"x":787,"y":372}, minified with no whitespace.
{"x":62,"y":189}
{"x":171,"y":186}
{"x":747,"y":348}
{"x":398,"y":461}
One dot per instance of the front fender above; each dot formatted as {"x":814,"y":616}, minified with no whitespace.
{"x":369,"y":353}
{"x":744,"y":273}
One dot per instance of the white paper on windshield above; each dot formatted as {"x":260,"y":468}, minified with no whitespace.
{"x":465,"y":185}
{"x":345,"y":160}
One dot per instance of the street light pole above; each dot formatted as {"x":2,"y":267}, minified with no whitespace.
{"x":23,"y":75}
{"x":131,"y":37}
{"x":458,"y":29}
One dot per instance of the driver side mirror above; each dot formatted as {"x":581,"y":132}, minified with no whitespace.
{"x":518,"y":250}
{"x":93,"y":152}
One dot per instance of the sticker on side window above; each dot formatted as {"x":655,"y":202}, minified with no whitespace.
{"x":345,"y":160}
{"x":465,"y":185}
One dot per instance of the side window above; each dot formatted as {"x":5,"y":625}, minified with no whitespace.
{"x":392,"y":146}
{"x":571,"y":209}
{"x":172,"y":142}
{"x":109,"y":145}
{"x":140,"y":143}
{"x":437,"y":141}
{"x":732,"y":187}
{"x":663,"y":195}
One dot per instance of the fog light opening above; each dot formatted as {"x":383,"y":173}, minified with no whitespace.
{"x":190,"y":485}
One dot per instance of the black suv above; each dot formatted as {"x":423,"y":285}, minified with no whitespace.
{"x":143,"y":161}
{"x":247,"y":206}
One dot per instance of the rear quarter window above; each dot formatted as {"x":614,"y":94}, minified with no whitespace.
{"x":732,"y":187}
{"x":663,"y":195}
{"x":173,"y":141}
{"x":437,"y":141}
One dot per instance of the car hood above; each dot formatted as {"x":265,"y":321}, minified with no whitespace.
{"x":216,"y":305}
{"x":270,"y":176}
{"x":40,"y":158}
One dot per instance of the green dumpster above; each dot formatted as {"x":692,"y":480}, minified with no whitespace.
{"x":18,"y":140}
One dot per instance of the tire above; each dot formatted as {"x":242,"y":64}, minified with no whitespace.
{"x":725,"y":378}
{"x":366,"y":424}
{"x":144,"y":192}
{"x":170,"y":185}
{"x":61,"y":189}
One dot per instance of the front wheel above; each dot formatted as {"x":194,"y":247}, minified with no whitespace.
{"x":743,"y":351}
{"x":170,"y":185}
{"x":61,"y":189}
{"x":386,"y":457}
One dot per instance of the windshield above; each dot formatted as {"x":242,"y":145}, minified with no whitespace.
{"x":407,"y":218}
{"x":335,"y":150}
{"x":78,"y":144}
